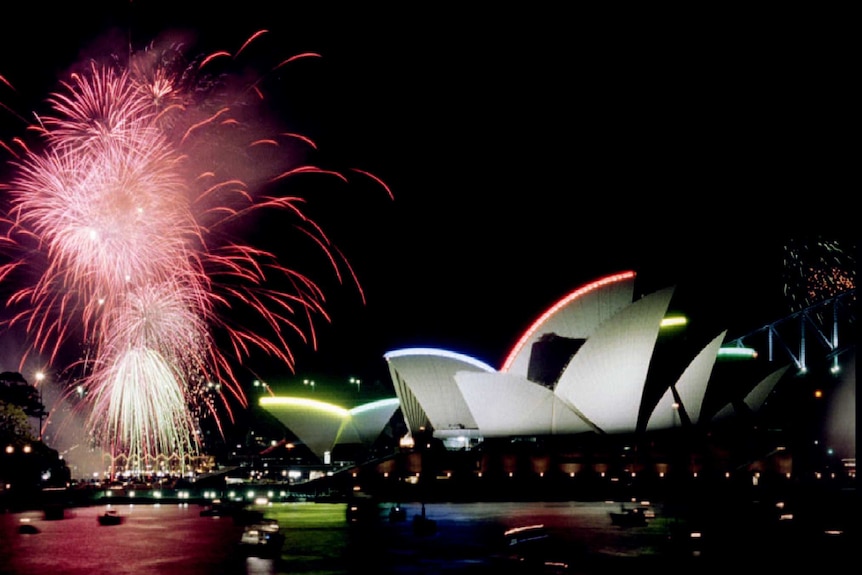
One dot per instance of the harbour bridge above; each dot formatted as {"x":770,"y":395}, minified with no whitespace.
{"x":821,"y":335}
{"x":820,"y":342}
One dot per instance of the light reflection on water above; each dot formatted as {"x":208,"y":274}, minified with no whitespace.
{"x":174,"y":538}
{"x":171,"y":539}
{"x":152,"y":539}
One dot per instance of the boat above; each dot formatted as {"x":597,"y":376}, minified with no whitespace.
{"x":110,"y":517}
{"x":518,"y":537}
{"x":54,"y":512}
{"x":531,"y":549}
{"x":362,"y":508}
{"x":262,"y":538}
{"x":397,"y":513}
{"x":28,"y":529}
{"x":422,"y":525}
{"x":218,"y":508}
{"x":629,"y":517}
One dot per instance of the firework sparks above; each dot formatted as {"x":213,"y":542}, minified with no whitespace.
{"x":123,"y":209}
{"x":817,"y":269}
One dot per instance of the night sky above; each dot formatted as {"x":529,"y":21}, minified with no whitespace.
{"x":529,"y":151}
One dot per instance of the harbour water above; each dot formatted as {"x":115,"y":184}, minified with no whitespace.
{"x":167,"y":539}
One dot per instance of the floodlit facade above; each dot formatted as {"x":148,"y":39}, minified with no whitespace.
{"x":321,"y":425}
{"x":581,"y":367}
{"x":424,"y":381}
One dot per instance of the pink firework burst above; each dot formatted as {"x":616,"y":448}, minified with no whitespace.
{"x":124,"y":210}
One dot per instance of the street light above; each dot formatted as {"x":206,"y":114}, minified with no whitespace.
{"x":309,"y":382}
{"x":40,"y":377}
{"x":263,"y":384}
{"x":357,"y":382}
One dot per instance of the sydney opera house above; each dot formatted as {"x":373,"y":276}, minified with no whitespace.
{"x":602,"y":382}
{"x":582,"y":367}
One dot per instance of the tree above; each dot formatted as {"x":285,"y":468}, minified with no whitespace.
{"x":18,"y":401}
{"x":15,"y":390}
{"x":26,"y":464}
{"x":14,"y":425}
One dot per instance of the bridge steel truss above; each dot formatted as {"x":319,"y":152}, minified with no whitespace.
{"x":830,"y":323}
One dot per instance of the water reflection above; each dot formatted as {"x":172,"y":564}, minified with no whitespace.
{"x":318,"y":539}
{"x":260,"y":566}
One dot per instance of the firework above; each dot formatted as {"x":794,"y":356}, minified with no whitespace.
{"x":816,"y":269}
{"x":124,"y":210}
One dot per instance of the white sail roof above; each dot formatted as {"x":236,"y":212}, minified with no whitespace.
{"x":424,"y":381}
{"x":509,"y":404}
{"x":691,"y":388}
{"x":605,"y":378}
{"x":577,"y":315}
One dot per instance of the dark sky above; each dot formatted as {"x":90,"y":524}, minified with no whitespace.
{"x":529,"y":149}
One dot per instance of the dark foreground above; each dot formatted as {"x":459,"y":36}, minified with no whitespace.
{"x":320,"y":538}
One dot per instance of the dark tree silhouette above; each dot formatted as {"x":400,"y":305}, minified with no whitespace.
{"x":15,"y":390}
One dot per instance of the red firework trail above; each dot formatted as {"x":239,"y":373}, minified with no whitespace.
{"x":123,"y":209}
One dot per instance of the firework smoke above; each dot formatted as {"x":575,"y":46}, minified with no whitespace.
{"x":119,"y":224}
